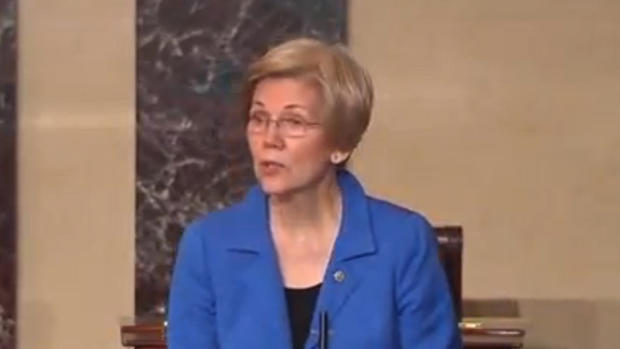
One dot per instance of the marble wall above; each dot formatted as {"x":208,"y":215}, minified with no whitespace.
{"x":8,"y":61}
{"x":191,"y":154}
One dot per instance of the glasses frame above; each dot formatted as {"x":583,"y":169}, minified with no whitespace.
{"x":285,"y":132}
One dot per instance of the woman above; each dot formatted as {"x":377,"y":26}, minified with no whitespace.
{"x":307,"y":240}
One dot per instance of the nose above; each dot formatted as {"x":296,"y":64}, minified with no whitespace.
{"x":273,"y":138}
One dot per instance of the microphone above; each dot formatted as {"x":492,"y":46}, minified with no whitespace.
{"x":323,"y":330}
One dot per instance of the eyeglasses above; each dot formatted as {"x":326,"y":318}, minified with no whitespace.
{"x":289,"y":126}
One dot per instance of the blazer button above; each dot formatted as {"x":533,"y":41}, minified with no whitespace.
{"x":339,"y":276}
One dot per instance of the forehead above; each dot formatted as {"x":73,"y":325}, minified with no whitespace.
{"x":285,"y":92}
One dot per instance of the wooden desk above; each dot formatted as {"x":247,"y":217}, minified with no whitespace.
{"x":151,"y":335}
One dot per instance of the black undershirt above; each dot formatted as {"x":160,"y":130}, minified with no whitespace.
{"x":301,"y":303}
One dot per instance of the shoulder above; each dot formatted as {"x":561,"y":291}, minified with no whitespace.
{"x":214,"y":225}
{"x":389,"y":215}
{"x":399,"y":228}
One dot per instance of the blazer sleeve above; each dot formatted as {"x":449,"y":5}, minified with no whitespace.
{"x":425,"y":310}
{"x":191,"y":308}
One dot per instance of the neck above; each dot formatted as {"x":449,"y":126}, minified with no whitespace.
{"x":315,"y":210}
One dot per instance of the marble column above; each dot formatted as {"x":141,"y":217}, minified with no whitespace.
{"x":8,"y":65}
{"x":191,"y":154}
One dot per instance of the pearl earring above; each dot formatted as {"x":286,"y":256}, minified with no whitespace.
{"x":336,"y":158}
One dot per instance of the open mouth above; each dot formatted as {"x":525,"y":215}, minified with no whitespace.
{"x":270,"y":167}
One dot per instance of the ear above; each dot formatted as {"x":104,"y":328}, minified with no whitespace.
{"x":339,"y":156}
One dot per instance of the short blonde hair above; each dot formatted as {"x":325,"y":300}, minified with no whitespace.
{"x":346,"y":87}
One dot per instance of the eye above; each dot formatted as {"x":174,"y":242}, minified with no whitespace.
{"x":257,"y":118}
{"x":293,"y":122}
{"x":293,"y":119}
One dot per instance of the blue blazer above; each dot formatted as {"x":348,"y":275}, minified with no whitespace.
{"x":383,"y":288}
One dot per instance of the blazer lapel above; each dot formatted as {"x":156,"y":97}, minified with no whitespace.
{"x":348,"y":263}
{"x":260,"y":281}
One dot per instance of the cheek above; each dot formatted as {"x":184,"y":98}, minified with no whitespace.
{"x":311,"y":153}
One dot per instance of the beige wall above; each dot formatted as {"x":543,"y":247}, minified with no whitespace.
{"x":501,"y":116}
{"x":76,"y":172}
{"x":504,"y":117}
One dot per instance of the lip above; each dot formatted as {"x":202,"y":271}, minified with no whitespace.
{"x":268,"y":163}
{"x":270,"y":168}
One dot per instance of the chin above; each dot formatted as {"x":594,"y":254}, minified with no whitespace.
{"x":285,"y":183}
{"x":272,"y":187}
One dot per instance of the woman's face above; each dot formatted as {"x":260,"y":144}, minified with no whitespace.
{"x":292,"y":154}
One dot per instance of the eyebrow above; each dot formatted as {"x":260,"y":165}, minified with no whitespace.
{"x":287,"y":107}
{"x":295,"y":106}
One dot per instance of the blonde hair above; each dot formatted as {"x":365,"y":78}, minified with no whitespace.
{"x":346,"y":87}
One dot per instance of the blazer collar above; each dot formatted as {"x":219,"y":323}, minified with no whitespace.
{"x":355,"y":237}
{"x":251,"y":234}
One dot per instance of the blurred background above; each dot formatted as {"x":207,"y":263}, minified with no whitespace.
{"x":502,"y":117}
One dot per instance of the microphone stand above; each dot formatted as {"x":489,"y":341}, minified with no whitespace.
{"x":323,"y":330}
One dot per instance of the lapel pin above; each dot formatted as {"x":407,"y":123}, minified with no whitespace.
{"x":339,"y":276}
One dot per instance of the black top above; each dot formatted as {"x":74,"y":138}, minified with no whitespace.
{"x":301,"y":303}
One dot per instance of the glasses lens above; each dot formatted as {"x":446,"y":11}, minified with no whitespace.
{"x":292,"y":127}
{"x":257,"y":124}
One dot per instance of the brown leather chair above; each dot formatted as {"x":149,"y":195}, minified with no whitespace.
{"x":450,"y":239}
